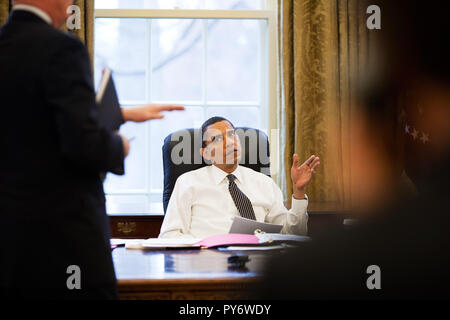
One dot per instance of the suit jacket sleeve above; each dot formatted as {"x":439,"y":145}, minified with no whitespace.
{"x":70,"y":93}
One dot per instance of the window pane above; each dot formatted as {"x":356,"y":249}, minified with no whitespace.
{"x":135,"y":163}
{"x":127,"y":204}
{"x":239,"y":116}
{"x":233,"y":70}
{"x":174,"y":121}
{"x":163,"y":60}
{"x":234,"y":4}
{"x":120,"y":45}
{"x":177,"y":59}
{"x":148,"y":4}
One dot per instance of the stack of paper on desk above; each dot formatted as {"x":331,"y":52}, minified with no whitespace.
{"x":170,"y":243}
{"x":209,"y":242}
{"x":221,"y":240}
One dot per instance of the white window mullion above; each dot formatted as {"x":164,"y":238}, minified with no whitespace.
{"x":182,"y":14}
{"x":205,"y":68}
{"x":272,"y":76}
{"x":148,"y":95}
{"x":263,"y":79}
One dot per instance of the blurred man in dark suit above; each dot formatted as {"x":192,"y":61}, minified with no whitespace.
{"x":52,"y":204}
{"x":401,"y":246}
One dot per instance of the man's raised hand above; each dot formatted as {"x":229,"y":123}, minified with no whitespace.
{"x":301,"y":175}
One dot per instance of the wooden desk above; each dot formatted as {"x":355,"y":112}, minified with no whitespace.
{"x":185,"y":274}
{"x":142,"y":227}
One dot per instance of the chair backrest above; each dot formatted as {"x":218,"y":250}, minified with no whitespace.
{"x":181,"y":153}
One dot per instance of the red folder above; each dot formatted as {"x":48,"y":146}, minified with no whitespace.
{"x":228,"y":239}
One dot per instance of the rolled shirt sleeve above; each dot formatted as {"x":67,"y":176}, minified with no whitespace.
{"x":297,"y":217}
{"x":295,"y":220}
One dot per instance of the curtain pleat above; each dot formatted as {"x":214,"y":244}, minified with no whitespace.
{"x":86,"y":32}
{"x":324,"y":48}
{"x":5,"y":8}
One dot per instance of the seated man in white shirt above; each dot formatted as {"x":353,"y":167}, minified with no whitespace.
{"x":205,"y":201}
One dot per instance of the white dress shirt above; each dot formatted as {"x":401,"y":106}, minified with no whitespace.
{"x":40,"y":13}
{"x":201,"y":204}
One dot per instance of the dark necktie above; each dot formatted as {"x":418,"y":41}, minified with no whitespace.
{"x":241,"y":201}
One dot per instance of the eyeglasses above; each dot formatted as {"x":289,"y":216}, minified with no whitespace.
{"x":231,"y":134}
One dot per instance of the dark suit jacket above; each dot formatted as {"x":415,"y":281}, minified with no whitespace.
{"x":52,"y":205}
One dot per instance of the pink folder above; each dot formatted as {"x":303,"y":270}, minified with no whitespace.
{"x":228,"y":239}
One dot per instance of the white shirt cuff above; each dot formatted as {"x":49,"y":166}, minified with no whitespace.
{"x":299,"y":206}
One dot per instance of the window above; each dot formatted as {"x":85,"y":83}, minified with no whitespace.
{"x":216,"y":57}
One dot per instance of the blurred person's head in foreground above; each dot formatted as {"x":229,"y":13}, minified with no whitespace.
{"x":420,"y":52}
{"x":402,"y":119}
{"x":410,"y":244}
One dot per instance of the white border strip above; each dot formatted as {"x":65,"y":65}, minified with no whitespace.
{"x":198,"y":14}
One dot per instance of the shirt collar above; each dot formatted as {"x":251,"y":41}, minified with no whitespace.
{"x":40,"y":13}
{"x":219,"y":175}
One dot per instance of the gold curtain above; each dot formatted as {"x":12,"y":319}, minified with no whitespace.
{"x":324,"y":45}
{"x":86,"y":32}
{"x":5,"y":7}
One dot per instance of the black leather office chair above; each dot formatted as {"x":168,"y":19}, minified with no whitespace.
{"x":181,"y":153}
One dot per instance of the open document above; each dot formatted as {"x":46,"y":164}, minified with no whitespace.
{"x":171,"y":243}
{"x":215,"y":241}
